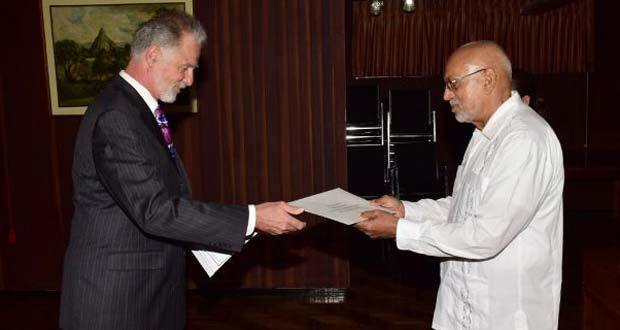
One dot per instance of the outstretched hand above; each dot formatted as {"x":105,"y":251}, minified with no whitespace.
{"x":391,"y":203}
{"x":275,"y":218}
{"x":378,"y":224}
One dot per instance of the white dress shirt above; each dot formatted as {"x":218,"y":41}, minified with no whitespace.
{"x":152,"y":103}
{"x":501,"y":230}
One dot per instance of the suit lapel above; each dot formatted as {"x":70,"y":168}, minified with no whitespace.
{"x":145,"y":115}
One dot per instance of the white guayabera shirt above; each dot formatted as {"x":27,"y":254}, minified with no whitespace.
{"x":501,"y":230}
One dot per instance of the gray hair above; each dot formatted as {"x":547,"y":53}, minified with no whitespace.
{"x":165,"y":29}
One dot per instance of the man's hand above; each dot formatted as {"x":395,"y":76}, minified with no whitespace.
{"x":391,"y":203}
{"x":378,"y":224}
{"x":275,"y":218}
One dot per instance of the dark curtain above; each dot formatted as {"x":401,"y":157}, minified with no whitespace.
{"x":271,"y":127}
{"x":5,"y":222}
{"x":410,"y":44}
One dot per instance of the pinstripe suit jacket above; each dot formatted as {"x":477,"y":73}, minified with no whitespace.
{"x":124,"y":267}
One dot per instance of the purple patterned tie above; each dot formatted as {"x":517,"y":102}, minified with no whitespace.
{"x":162,"y":121}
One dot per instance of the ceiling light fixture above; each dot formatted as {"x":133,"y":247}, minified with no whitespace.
{"x":376,"y":7}
{"x":408,"y":5}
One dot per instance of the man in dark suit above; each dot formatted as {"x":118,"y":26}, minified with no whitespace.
{"x":125,"y":264}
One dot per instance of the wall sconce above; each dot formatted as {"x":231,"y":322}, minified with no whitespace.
{"x":408,"y":5}
{"x":376,"y":7}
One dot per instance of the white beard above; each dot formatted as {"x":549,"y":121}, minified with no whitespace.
{"x":169,"y":94}
{"x":463,"y":117}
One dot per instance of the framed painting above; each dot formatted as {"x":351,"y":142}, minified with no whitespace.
{"x":87,"y":42}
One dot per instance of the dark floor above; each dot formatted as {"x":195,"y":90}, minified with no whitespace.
{"x":394,"y":297}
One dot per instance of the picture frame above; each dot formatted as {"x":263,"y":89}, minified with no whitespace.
{"x":87,"y":42}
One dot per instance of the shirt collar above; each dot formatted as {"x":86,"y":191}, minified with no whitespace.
{"x":151,"y":102}
{"x":498,"y":118}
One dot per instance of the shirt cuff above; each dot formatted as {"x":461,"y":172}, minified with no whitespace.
{"x":407,"y":231}
{"x":251,"y":220}
{"x":411,"y":211}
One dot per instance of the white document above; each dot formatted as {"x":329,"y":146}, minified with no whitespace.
{"x":212,"y":261}
{"x":337,"y":204}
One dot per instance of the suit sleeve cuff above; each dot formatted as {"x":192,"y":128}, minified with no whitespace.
{"x":251,"y":220}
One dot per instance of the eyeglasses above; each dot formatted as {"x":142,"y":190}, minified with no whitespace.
{"x":454,"y":83}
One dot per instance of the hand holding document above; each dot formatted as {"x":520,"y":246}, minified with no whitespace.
{"x":338,"y":205}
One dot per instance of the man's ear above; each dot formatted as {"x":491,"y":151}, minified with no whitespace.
{"x":490,"y":80}
{"x":152,"y":54}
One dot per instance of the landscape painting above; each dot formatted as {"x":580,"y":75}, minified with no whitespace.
{"x":88,"y":43}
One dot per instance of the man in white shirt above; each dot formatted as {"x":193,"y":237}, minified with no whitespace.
{"x":500,"y":233}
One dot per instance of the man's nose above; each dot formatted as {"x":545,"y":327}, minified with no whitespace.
{"x":447,"y":94}
{"x":188,"y":79}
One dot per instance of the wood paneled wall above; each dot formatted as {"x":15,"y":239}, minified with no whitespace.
{"x":270,"y":126}
{"x":5,"y":222}
{"x":33,"y":261}
{"x":396,"y":43}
